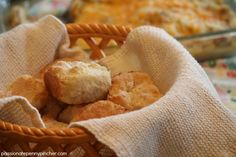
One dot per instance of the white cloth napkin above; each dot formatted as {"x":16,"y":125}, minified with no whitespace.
{"x":189,"y":120}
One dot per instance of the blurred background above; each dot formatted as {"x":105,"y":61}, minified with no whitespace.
{"x":207,"y":28}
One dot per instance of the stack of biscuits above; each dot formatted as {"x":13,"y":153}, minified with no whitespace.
{"x":70,"y":90}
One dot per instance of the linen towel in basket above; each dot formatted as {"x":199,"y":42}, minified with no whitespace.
{"x":189,"y":120}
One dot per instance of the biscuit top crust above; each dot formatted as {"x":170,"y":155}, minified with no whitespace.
{"x":99,"y":109}
{"x":78,"y":82}
{"x":133,"y":90}
{"x":31,"y":88}
{"x":79,"y":68}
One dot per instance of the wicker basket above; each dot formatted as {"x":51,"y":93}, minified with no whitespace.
{"x":31,"y":139}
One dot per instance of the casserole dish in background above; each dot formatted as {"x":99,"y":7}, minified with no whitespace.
{"x":202,"y":46}
{"x":213,"y":37}
{"x":212,"y":45}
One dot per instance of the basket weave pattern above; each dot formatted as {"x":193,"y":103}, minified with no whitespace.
{"x":31,"y":139}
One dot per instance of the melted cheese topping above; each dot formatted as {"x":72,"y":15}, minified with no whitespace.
{"x":178,"y":17}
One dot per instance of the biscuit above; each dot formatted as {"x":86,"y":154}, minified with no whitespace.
{"x":53,"y":108}
{"x":4,"y":94}
{"x":77,"y":82}
{"x":42,"y":72}
{"x":99,"y":109}
{"x":68,"y":113}
{"x":31,"y":88}
{"x":52,"y":123}
{"x":133,"y":90}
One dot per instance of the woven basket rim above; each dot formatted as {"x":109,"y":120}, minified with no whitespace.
{"x":75,"y":31}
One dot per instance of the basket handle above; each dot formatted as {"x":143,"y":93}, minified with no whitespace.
{"x":106,"y":32}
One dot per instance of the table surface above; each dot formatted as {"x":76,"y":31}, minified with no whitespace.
{"x":222,"y":73}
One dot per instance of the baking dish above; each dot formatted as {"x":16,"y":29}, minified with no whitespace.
{"x":212,"y":45}
{"x":202,"y":46}
{"x":209,"y":45}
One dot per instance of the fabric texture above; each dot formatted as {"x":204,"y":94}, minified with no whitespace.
{"x":28,"y":48}
{"x":189,"y":120}
{"x":25,"y":50}
{"x":18,"y":110}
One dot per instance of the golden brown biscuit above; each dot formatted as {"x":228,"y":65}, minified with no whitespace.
{"x":53,"y":108}
{"x":133,"y":90}
{"x":52,"y":123}
{"x":45,"y":69}
{"x":99,"y":109}
{"x":68,"y":113}
{"x":31,"y":88}
{"x":4,"y":94}
{"x":77,"y":82}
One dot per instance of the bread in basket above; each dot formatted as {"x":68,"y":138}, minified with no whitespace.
{"x":31,"y":139}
